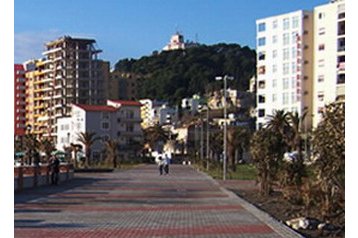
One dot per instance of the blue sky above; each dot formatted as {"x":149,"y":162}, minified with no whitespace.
{"x":134,"y":28}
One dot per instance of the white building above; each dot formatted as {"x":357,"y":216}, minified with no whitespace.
{"x":117,"y":120}
{"x":329,"y":56}
{"x":176,"y":42}
{"x":284,"y":64}
{"x":191,"y":104}
{"x":155,"y":112}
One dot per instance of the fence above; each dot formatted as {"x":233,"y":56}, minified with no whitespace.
{"x":35,"y":176}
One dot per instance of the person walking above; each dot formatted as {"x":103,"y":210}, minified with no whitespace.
{"x":55,"y":170}
{"x":160,"y":161}
{"x":166,"y":163}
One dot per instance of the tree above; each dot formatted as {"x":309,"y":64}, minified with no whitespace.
{"x":47,"y":146}
{"x":31,"y":145}
{"x":266,"y":148}
{"x":111,"y":147}
{"x":238,"y":141}
{"x":155,"y":136}
{"x":87,"y":139}
{"x":329,"y":164}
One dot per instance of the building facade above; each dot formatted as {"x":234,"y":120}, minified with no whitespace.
{"x":329,"y":56}
{"x":20,"y":100}
{"x":70,"y":73}
{"x":284,"y":65}
{"x":123,"y":86}
{"x":118,"y":120}
{"x":155,"y":112}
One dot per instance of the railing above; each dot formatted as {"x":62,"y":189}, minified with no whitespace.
{"x":35,"y":176}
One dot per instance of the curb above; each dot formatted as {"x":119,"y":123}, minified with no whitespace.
{"x":275,"y":225}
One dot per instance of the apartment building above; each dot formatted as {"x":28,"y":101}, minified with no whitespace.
{"x":301,"y":62}
{"x":123,"y":86}
{"x":70,"y":72}
{"x":154,"y":112}
{"x":284,"y":65}
{"x":118,"y":119}
{"x":19,"y":100}
{"x":329,"y":56}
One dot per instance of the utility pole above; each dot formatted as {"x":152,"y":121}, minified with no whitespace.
{"x":225,"y":122}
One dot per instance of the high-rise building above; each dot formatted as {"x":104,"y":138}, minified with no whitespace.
{"x":301,"y":62}
{"x":284,"y":65}
{"x":20,"y":103}
{"x":329,"y":56}
{"x":70,"y":73}
{"x":123,"y":86}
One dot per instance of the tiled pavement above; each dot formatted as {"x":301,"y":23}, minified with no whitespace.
{"x":140,"y":203}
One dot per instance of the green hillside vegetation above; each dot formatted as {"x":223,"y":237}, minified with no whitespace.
{"x":173,"y":75}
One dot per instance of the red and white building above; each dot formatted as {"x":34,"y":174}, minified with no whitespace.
{"x":118,"y":120}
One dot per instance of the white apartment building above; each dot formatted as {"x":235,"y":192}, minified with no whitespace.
{"x":117,"y":120}
{"x":284,"y":64}
{"x":157,"y":112}
{"x":329,"y":56}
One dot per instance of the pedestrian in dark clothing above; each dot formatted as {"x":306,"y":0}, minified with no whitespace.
{"x":55,"y":170}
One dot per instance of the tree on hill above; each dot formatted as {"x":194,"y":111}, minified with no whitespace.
{"x":172,"y":75}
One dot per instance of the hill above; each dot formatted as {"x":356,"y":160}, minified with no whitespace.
{"x":173,"y":75}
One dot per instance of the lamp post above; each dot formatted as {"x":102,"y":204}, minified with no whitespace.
{"x":225,"y":78}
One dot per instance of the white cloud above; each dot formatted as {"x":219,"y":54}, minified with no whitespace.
{"x":30,"y":45}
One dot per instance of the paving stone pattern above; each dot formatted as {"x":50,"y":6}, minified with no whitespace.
{"x":141,"y":203}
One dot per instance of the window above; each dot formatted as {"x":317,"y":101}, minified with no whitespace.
{"x":295,"y":22}
{"x":341,"y":28}
{"x":285,"y":98}
{"x":341,"y":44}
{"x":274,"y":97}
{"x":293,"y":82}
{"x":342,"y":15}
{"x":293,"y":97}
{"x":262,"y":41}
{"x":262,"y":55}
{"x":321,"y":15}
{"x":286,"y":23}
{"x":105,"y":125}
{"x":274,"y":83}
{"x":320,"y":78}
{"x":320,"y":96}
{"x":129,"y":128}
{"x":262,"y":27}
{"x":261,"y":98}
{"x":274,"y":39}
{"x":321,"y":63}
{"x":321,"y":31}
{"x":293,"y":67}
{"x":286,"y":39}
{"x":261,"y":112}
{"x":274,"y":53}
{"x":261,"y":84}
{"x":274,"y":24}
{"x":262,"y":69}
{"x":341,"y":78}
{"x":321,"y":47}
{"x":274,"y":68}
{"x":105,"y":115}
{"x":285,"y":54}
{"x":285,"y":83}
{"x":294,"y":52}
{"x":286,"y":68}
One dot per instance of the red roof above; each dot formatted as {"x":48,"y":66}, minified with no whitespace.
{"x":100,"y":108}
{"x":127,"y":103}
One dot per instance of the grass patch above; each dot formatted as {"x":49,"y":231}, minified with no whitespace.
{"x":243,"y":172}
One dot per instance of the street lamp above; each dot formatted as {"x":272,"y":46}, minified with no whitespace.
{"x":225,"y":78}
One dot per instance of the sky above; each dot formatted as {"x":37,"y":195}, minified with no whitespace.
{"x":135,"y":28}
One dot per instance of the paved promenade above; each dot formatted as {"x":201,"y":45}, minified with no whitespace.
{"x":140,"y":203}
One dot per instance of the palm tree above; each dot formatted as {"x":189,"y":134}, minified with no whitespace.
{"x":111,"y":147}
{"x":87,"y":139}
{"x":279,"y":122}
{"x":238,"y":140}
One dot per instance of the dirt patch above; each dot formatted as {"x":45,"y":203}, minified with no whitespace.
{"x":279,"y":208}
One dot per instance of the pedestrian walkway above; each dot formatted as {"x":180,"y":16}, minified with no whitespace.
{"x":141,"y":203}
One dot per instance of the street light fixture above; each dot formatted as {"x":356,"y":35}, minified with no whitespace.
{"x":225,"y":78}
